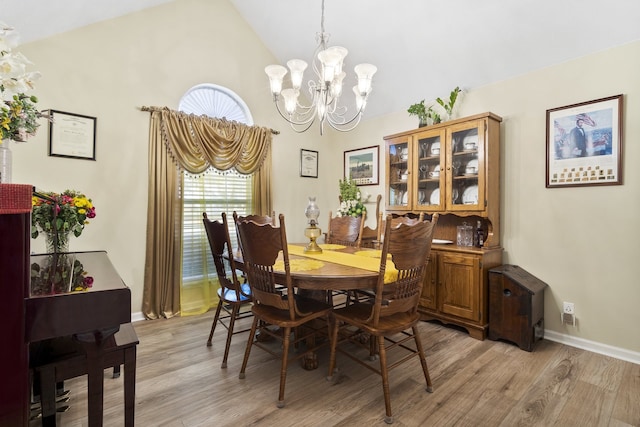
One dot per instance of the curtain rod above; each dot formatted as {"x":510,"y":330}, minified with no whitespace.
{"x":151,"y":109}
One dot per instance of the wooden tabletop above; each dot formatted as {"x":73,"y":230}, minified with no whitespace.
{"x":330,"y":276}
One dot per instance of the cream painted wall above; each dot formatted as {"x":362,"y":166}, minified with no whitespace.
{"x":580,"y":241}
{"x":109,"y":70}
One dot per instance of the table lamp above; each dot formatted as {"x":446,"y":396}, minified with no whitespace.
{"x":312,"y":212}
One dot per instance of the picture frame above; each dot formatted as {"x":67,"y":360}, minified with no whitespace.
{"x":308,"y":163}
{"x":362,"y":165}
{"x":72,"y":135}
{"x":584,"y":143}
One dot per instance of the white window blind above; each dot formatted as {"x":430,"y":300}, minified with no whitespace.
{"x":212,"y":193}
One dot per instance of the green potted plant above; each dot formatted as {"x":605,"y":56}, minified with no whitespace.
{"x":420,"y":110}
{"x":424,"y":114}
{"x":448,"y":106}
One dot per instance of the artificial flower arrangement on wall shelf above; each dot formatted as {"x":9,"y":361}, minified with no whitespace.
{"x":18,"y":113}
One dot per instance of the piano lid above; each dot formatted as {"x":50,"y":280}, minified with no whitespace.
{"x":70,"y":304}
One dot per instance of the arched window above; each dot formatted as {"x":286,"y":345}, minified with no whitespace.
{"x":213,"y":192}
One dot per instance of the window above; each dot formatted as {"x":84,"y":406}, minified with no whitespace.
{"x":213,"y":192}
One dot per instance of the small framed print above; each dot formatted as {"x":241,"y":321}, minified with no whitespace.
{"x":584,"y":144}
{"x":72,"y":135}
{"x":361,"y":165}
{"x":308,"y":163}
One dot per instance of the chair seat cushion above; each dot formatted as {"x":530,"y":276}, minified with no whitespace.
{"x":357,"y":314}
{"x":230,"y":294}
{"x":309,"y":307}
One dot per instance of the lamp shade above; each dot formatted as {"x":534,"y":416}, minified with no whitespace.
{"x":365,"y":74}
{"x":290,"y":100}
{"x":296,"y":67}
{"x":330,"y":61}
{"x":342,"y":52}
{"x":276,"y":73}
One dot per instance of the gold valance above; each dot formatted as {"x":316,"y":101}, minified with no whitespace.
{"x":198,"y":142}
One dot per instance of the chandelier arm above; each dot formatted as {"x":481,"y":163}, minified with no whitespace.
{"x":293,"y":126}
{"x":338,"y":127}
{"x":304,"y":122}
{"x":333,"y":117}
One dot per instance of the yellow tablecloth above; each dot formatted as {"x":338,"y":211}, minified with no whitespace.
{"x":331,"y":246}
{"x":371,"y":263}
{"x":299,"y":264}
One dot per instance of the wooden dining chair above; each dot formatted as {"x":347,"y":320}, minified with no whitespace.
{"x":261,"y":245}
{"x":396,"y":219}
{"x":345,"y":230}
{"x":371,"y":235}
{"x":259,"y":219}
{"x":393,"y":315}
{"x":232,"y":294}
{"x":363,"y":294}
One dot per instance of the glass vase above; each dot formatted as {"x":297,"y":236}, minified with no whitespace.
{"x":59,"y":246}
{"x":5,"y":162}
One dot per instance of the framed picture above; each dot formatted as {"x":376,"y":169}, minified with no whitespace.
{"x":72,"y":135}
{"x":361,"y":165}
{"x":308,"y":163}
{"x":584,"y":143}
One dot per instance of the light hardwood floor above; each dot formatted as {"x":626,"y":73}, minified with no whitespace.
{"x":476,"y":383}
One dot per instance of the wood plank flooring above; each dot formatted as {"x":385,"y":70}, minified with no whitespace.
{"x":476,"y":383}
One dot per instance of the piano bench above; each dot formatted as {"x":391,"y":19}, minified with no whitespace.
{"x":64,"y":358}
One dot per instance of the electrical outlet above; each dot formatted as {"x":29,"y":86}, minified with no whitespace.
{"x":568,"y":308}
{"x":568,"y":315}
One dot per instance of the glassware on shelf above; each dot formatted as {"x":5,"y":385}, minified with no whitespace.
{"x":464,"y":235}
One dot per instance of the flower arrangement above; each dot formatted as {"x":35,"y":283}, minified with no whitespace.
{"x":73,"y":209}
{"x":351,"y":202}
{"x":18,"y":113}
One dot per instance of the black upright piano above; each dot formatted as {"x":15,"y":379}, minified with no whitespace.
{"x":34,"y":314}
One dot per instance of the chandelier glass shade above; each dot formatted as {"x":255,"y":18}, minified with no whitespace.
{"x":325,"y":92}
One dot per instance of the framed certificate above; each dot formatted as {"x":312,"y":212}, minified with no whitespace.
{"x":72,"y":135}
{"x":308,"y":163}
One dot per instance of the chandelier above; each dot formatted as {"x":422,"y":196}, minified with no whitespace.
{"x":324,"y":93}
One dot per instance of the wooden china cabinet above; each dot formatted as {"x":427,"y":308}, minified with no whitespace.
{"x":453,"y":169}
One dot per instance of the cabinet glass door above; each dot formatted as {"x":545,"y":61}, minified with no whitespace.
{"x":466,"y":154}
{"x":399,"y":158}
{"x":429,"y":172}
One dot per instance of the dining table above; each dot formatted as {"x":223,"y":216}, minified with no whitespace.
{"x":337,"y":268}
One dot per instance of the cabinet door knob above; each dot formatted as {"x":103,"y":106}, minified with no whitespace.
{"x":507,"y":293}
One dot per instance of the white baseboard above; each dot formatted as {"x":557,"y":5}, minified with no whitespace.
{"x":136,"y":317}
{"x":596,"y":347}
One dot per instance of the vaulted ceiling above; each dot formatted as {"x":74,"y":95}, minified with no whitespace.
{"x":422,"y":48}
